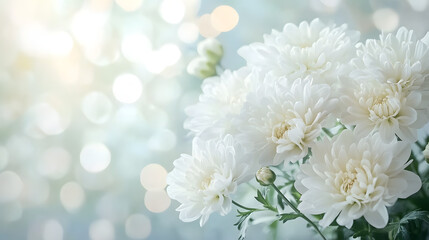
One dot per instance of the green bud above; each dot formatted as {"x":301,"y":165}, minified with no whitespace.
{"x":265,"y":176}
{"x":201,"y":67}
{"x":211,"y":49}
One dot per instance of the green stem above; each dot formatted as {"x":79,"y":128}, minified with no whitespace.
{"x":296,"y":210}
{"x":247,"y":208}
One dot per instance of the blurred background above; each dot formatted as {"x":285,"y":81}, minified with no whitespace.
{"x":92,"y":94}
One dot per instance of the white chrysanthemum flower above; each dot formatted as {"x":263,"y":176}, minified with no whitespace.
{"x":310,"y":49}
{"x":400,"y":58}
{"x":280,"y":121}
{"x":384,"y":108}
{"x":348,"y":177}
{"x":221,"y":100}
{"x":204,"y":182}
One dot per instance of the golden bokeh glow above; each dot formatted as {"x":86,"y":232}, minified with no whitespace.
{"x":224,"y":18}
{"x":206,"y":28}
{"x":153,"y":177}
{"x":157,"y":201}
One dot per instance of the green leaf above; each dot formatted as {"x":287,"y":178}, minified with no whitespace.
{"x":295,"y":194}
{"x":260,"y":198}
{"x":243,"y":216}
{"x":388,"y":228}
{"x":415,"y":215}
{"x":400,"y":230}
{"x":402,"y":233}
{"x":284,"y":217}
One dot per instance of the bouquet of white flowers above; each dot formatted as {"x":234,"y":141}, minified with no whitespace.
{"x":336,"y":121}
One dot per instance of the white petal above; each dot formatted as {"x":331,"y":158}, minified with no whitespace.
{"x":329,"y":217}
{"x":413,"y":181}
{"x":377,"y":218}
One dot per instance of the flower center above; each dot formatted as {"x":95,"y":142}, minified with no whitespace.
{"x":384,"y":108}
{"x":348,"y":181}
{"x":205,"y":183}
{"x":279,"y":130}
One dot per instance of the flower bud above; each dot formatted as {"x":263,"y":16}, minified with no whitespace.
{"x":201,"y":67}
{"x":265,"y":176}
{"x":426,"y":153}
{"x":211,"y":49}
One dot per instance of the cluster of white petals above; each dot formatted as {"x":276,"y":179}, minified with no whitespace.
{"x":310,"y":49}
{"x":296,"y":85}
{"x":280,"y":121}
{"x":384,"y":108}
{"x":349,"y":177}
{"x":400,"y":58}
{"x":222,"y":99}
{"x":387,"y":91}
{"x":204,"y":182}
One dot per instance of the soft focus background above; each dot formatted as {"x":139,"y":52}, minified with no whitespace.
{"x":92,"y":94}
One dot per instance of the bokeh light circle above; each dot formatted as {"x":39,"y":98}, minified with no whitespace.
{"x":205,"y":27}
{"x":188,"y":32}
{"x":97,"y":107}
{"x":72,"y":196}
{"x":127,"y":88}
{"x":136,"y":47}
{"x":157,"y":201}
{"x":224,"y":18}
{"x":138,"y":226}
{"x":54,"y":163}
{"x":95,"y":157}
{"x":153,"y":177}
{"x":53,"y":230}
{"x":129,"y":5}
{"x":172,"y":11}
{"x":386,"y":19}
{"x":11,"y":186}
{"x":102,"y":229}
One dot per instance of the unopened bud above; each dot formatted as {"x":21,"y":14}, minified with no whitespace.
{"x":426,"y":153}
{"x":211,"y":49}
{"x":265,"y":176}
{"x":201,"y":67}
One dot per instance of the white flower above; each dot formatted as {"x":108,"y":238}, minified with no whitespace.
{"x":385,"y":108}
{"x":400,"y":58}
{"x":204,"y":182}
{"x":348,"y":177}
{"x":280,"y":121}
{"x":310,"y":49}
{"x":221,"y":100}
